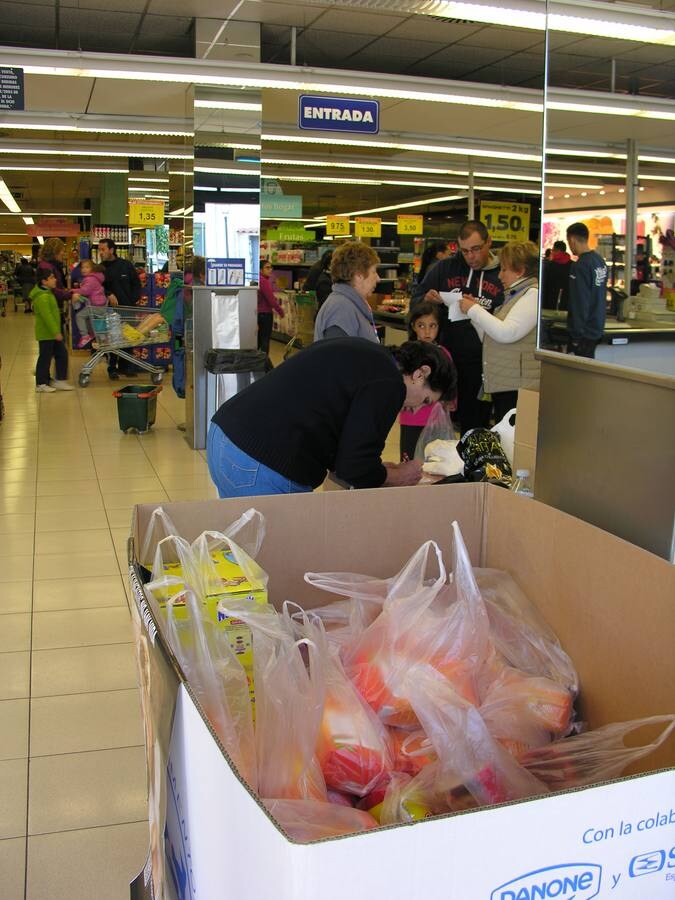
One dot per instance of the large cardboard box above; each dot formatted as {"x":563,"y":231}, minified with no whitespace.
{"x":613,"y":608}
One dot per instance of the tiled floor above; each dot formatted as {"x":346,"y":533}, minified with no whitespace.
{"x":72,"y":771}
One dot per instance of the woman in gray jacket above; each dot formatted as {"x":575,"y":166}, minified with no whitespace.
{"x":346,"y":312}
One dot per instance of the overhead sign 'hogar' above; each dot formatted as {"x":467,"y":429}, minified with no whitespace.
{"x":339,"y":114}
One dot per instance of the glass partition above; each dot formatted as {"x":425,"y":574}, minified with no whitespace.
{"x":610,"y":165}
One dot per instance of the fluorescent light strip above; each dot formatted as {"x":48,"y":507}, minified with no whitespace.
{"x":609,"y":28}
{"x":149,"y":180}
{"x":211,"y":171}
{"x":427,"y":202}
{"x":77,"y":212}
{"x":203,"y":187}
{"x":94,"y":171}
{"x":236,"y":190}
{"x":156,"y":153}
{"x":8,"y":198}
{"x":663,"y":115}
{"x":85,"y":129}
{"x":234,"y":105}
{"x":390,"y":145}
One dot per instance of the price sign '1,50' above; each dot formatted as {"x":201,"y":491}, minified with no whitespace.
{"x":506,"y":221}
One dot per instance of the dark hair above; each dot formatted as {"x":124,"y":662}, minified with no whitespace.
{"x":198,"y":267}
{"x":411,"y":355}
{"x":325,"y":260}
{"x":429,"y":255}
{"x":425,"y":308}
{"x":43,"y":273}
{"x":560,"y":245}
{"x":578,"y":230}
{"x":110,"y":244}
{"x":471,"y":226}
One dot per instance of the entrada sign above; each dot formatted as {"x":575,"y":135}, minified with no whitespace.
{"x":339,"y":114}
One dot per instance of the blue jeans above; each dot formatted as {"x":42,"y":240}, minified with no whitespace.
{"x":236,"y":474}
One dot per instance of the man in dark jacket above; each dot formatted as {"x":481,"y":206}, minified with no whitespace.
{"x":123,"y":288}
{"x":472,"y":271}
{"x":555,"y":288}
{"x":588,"y":294}
{"x":25,"y":275}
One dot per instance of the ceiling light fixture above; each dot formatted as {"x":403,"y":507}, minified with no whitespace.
{"x":213,"y":170}
{"x":234,"y":105}
{"x":39,"y":148}
{"x":384,"y":144}
{"x":427,"y":202}
{"x":97,"y":170}
{"x":8,"y":198}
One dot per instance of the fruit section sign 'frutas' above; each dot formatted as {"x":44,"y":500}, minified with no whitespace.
{"x":339,"y":114}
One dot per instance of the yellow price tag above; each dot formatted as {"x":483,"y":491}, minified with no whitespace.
{"x":409,"y":224}
{"x":146,"y":213}
{"x":337,"y":225}
{"x":506,"y":221}
{"x":367,"y":227}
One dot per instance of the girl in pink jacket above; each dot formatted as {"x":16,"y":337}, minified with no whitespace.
{"x":91,"y":291}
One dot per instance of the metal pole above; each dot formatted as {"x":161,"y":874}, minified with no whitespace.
{"x":471,"y":199}
{"x":294,"y":38}
{"x":631,"y":209}
{"x":612,"y":86}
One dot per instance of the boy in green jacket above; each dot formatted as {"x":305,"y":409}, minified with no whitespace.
{"x":48,"y":335}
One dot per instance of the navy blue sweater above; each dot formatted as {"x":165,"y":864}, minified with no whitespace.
{"x":329,"y":408}
{"x":588,"y":297}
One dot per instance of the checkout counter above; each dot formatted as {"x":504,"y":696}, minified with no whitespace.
{"x":645,"y":344}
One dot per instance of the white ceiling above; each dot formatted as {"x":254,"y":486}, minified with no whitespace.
{"x":327,"y":36}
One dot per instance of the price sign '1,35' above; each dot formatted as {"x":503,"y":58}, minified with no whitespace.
{"x":506,"y":221}
{"x":367,"y":227}
{"x":145,"y":213}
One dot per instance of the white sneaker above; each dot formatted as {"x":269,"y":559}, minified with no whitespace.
{"x":45,"y":389}
{"x":62,"y":386}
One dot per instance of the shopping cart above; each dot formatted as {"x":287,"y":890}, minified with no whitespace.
{"x":118,"y":330}
{"x":300,"y":312}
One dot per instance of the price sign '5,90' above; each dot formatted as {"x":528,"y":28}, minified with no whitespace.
{"x":145,"y":213}
{"x":506,"y":221}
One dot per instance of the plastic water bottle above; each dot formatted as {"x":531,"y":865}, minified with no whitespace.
{"x":522,"y":484}
{"x":114,"y":328}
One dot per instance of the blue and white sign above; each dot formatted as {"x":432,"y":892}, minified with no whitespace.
{"x":225,"y":272}
{"x":339,"y":114}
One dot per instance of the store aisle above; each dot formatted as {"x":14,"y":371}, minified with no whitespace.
{"x":72,"y":770}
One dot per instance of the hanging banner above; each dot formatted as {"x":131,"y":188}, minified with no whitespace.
{"x":506,"y":221}
{"x":293,"y":233}
{"x":367,"y":227}
{"x":11,"y":88}
{"x":337,"y":225}
{"x":280,"y":206}
{"x":409,"y":224}
{"x":339,"y":114}
{"x":146,"y":212}
{"x":53,"y":226}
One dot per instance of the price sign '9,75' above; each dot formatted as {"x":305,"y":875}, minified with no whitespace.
{"x":145,"y":213}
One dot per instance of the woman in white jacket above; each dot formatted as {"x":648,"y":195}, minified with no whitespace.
{"x":509,"y":335}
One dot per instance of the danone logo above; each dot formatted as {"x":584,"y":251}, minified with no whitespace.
{"x":572,"y":881}
{"x":339,"y":114}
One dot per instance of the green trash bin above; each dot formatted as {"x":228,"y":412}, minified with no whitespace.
{"x":137,"y":406}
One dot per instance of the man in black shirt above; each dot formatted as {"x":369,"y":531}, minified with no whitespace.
{"x":330,"y":408}
{"x":472,"y":271}
{"x":588,"y":294}
{"x":123,"y":288}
